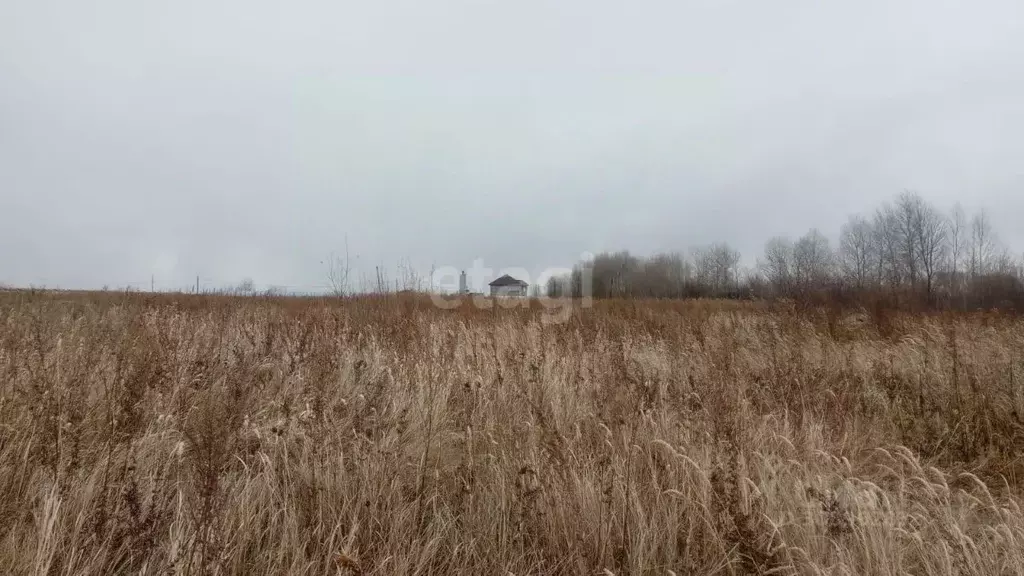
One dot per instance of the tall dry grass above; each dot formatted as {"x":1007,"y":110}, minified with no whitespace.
{"x":214,"y":435}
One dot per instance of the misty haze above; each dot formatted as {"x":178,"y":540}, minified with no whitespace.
{"x":475,"y":287}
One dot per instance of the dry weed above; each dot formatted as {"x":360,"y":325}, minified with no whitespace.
{"x":214,"y":435}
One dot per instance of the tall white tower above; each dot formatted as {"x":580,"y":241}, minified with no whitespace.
{"x":463,"y":285}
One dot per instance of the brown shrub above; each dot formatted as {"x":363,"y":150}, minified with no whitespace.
{"x":169,"y":434}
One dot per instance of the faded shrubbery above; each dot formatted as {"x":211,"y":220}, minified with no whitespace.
{"x":229,"y":435}
{"x":907,"y":255}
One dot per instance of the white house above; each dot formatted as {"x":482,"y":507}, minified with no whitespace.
{"x":509,"y":286}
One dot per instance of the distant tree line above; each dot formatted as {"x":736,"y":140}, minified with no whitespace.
{"x":907,"y":251}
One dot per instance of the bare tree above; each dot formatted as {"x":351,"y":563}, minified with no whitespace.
{"x":857,"y":250}
{"x":812,"y":260}
{"x":958,"y":242}
{"x":408,"y":279}
{"x":983,"y":245}
{"x":906,"y":246}
{"x":246,"y":286}
{"x":560,"y":286}
{"x":932,"y":244}
{"x":889,"y":264}
{"x":703,"y":267}
{"x":922,"y":239}
{"x":662,"y":276}
{"x":727,"y":261}
{"x":908,"y":208}
{"x":716,"y":267}
{"x":339,"y":271}
{"x":622,"y":275}
{"x":1003,"y":262}
{"x":777,"y":265}
{"x":613,"y":274}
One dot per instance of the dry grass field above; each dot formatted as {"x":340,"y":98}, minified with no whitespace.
{"x":159,"y":434}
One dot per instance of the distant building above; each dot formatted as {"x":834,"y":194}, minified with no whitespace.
{"x":509,"y":286}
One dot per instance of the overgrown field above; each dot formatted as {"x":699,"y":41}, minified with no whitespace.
{"x":215,"y":435}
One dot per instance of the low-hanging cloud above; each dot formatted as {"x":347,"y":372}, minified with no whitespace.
{"x":230,"y":139}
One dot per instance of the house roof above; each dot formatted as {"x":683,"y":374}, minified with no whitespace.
{"x":507,"y":280}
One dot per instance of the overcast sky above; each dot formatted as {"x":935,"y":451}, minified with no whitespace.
{"x":248,"y":138}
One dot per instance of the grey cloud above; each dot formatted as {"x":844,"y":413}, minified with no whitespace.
{"x":231,"y":139}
